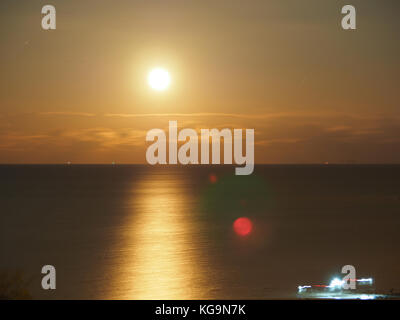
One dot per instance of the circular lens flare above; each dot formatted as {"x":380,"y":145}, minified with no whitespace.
{"x":243,"y":226}
{"x":212,"y":178}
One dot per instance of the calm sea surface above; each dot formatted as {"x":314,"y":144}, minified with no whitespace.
{"x":141,"y":232}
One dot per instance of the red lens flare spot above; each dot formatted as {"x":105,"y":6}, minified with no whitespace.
{"x":242,"y":226}
{"x":212,"y":178}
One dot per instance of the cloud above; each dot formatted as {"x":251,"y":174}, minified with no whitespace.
{"x":294,"y":137}
{"x":173,"y":115}
{"x":107,"y":137}
{"x":67,"y":113}
{"x":21,"y":141}
{"x":271,"y":115}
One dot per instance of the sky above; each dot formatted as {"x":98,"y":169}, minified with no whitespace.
{"x":312,"y":91}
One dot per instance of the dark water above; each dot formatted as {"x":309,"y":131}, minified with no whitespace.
{"x":133,"y":232}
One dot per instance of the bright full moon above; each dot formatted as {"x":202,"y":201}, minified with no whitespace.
{"x":159,"y":79}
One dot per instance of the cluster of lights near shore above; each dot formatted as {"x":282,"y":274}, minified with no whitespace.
{"x":335,"y":285}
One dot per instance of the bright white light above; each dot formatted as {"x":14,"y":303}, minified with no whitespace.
{"x":365,"y":280}
{"x":367,"y":297}
{"x":159,"y":79}
{"x":336,"y":283}
{"x":301,"y":288}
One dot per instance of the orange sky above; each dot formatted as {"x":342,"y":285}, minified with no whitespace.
{"x":312,"y":91}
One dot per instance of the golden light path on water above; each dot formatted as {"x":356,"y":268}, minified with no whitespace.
{"x":160,"y":255}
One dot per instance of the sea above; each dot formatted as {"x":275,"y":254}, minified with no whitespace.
{"x":167,"y":232}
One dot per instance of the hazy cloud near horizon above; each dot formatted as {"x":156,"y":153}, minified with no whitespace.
{"x":280,"y":138}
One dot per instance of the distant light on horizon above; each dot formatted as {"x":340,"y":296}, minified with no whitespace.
{"x":336,"y":283}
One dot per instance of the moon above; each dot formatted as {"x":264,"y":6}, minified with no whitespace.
{"x":159,"y":79}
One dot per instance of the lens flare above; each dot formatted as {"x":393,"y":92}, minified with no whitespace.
{"x":212,"y":178}
{"x":243,"y":226}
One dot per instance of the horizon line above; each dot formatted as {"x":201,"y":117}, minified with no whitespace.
{"x":199,"y":164}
